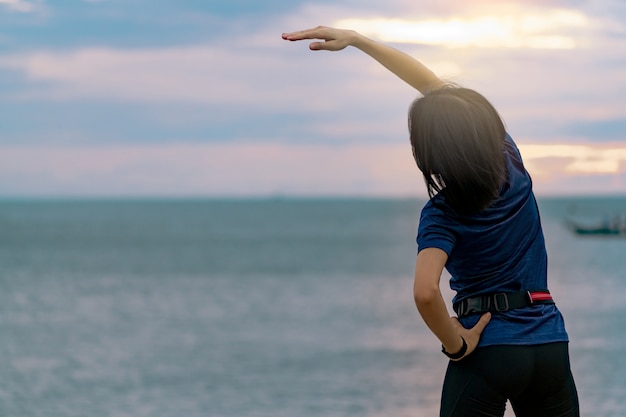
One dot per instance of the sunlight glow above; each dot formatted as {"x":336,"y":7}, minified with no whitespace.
{"x":578,"y":159}
{"x":541,"y":30}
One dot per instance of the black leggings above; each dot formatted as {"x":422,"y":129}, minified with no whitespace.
{"x":537,"y":380}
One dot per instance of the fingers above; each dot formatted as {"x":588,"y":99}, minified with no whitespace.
{"x":332,"y":39}
{"x":482,"y":323}
{"x":471,"y":335}
{"x":327,"y":46}
{"x":315,"y":33}
{"x":293,"y":36}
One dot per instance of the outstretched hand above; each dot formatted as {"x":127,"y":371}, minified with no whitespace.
{"x":471,"y":336}
{"x":334,"y":39}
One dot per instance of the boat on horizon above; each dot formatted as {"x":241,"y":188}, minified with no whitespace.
{"x":613,"y":226}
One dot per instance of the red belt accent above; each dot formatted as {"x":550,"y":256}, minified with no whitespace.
{"x":539,"y":296}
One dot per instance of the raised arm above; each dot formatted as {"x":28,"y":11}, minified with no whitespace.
{"x":404,"y":66}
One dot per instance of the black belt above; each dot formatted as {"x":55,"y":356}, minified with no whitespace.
{"x":500,"y":302}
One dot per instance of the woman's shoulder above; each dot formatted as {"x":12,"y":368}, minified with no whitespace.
{"x":511,"y":151}
{"x":437,"y":213}
{"x":516,"y":171}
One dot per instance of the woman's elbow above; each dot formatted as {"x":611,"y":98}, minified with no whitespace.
{"x":425,"y":295}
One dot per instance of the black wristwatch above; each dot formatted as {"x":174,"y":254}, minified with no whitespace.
{"x":457,"y":355}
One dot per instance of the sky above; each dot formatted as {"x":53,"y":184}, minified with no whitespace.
{"x":204,"y":99}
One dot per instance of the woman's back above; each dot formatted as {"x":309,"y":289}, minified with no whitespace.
{"x":498,"y":250}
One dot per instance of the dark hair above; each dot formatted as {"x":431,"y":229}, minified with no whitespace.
{"x":457,"y":138}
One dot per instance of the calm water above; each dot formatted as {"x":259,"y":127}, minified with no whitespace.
{"x":259,"y":308}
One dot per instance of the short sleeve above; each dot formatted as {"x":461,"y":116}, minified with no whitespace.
{"x":435,"y":230}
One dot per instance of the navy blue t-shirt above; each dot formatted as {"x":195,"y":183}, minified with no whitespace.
{"x":501,"y":249}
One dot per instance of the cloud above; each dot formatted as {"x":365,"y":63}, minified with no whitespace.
{"x":18,"y":5}
{"x":186,"y":73}
{"x":260,"y":70}
{"x":336,"y":95}
{"x":512,"y":27}
{"x":208,"y":169}
{"x":553,"y":163}
{"x":244,"y":169}
{"x":219,"y":74}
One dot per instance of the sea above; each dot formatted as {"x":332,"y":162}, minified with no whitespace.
{"x":266,"y":307}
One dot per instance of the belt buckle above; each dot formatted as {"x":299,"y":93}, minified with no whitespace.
{"x":497,"y":304}
{"x":471,"y":305}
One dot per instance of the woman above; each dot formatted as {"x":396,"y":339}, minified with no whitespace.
{"x":482,"y":224}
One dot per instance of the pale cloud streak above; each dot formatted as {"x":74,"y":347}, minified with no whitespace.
{"x":209,"y":169}
{"x":253,"y":169}
{"x":187,"y":73}
{"x":221,"y":74}
{"x":18,"y":5}
{"x":505,"y":27}
{"x":575,"y":159}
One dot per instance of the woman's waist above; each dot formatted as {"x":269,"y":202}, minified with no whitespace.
{"x":523,"y":326}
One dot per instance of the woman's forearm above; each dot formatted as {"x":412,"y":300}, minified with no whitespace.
{"x":407,"y":68}
{"x":404,"y":66}
{"x":435,"y":314}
